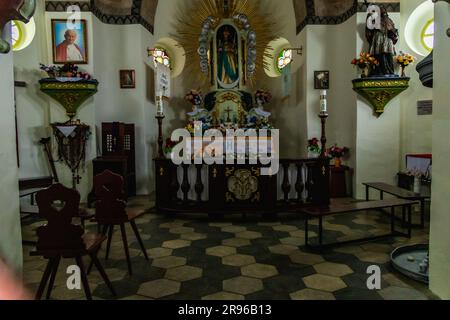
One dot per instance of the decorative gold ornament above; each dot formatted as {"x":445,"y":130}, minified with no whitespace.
{"x":189,"y":27}
{"x":243,"y":184}
{"x":380,"y":91}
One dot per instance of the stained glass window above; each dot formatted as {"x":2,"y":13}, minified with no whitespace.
{"x":284,"y":59}
{"x":427,"y":36}
{"x":16,"y":34}
{"x":160,"y":56}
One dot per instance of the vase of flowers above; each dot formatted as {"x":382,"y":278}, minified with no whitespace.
{"x":169,"y":147}
{"x":366,"y":62}
{"x":67,"y":72}
{"x":418,"y":176}
{"x":314,"y":149}
{"x":337,"y":153}
{"x":404,"y":60}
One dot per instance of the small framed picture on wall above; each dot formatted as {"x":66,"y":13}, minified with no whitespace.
{"x":322,"y":80}
{"x":127,"y":79}
{"x":69,"y":42}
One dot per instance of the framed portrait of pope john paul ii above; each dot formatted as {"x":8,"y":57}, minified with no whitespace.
{"x":69,"y":41}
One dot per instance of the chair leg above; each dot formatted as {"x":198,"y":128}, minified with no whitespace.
{"x":84,"y":279}
{"x":138,"y":237}
{"x":53,"y":276}
{"x":44,"y":279}
{"x":102,"y":272}
{"x":125,"y":246}
{"x":103,"y":232}
{"x":108,"y":244}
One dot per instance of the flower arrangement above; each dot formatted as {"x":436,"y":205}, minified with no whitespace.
{"x":68,"y":70}
{"x":194,"y":97}
{"x":404,"y":60}
{"x":313,"y":146}
{"x":365,"y":62}
{"x":258,"y":123}
{"x":169,"y":146}
{"x":337,"y":152}
{"x":262,"y":97}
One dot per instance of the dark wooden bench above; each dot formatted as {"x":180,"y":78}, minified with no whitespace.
{"x":320,"y":213}
{"x":402,"y":194}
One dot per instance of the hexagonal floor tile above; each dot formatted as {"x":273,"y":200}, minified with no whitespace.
{"x":373,"y":257}
{"x":250,"y":235}
{"x":333,"y":269}
{"x":224,"y":296}
{"x":159,"y":252}
{"x":238,"y":260}
{"x":283,"y":249}
{"x":193,"y":236}
{"x":176,"y":244}
{"x":311,"y":294}
{"x":293,"y":241}
{"x":306,"y":258}
{"x":324,"y":283}
{"x":260,"y":271}
{"x":397,"y":293}
{"x":233,"y":229}
{"x":184,"y":273}
{"x":285,"y":228}
{"x":159,"y":288}
{"x":242,"y":285}
{"x":236,"y":242}
{"x":169,"y":262}
{"x":181,"y":230}
{"x":220,"y":251}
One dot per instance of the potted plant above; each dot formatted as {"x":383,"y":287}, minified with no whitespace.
{"x":314,"y":149}
{"x":366,"y":62}
{"x":337,"y":153}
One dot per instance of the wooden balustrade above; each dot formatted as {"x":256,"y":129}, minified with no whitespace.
{"x":203,"y":189}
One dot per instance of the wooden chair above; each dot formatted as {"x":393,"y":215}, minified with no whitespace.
{"x":62,"y":239}
{"x":110,"y":210}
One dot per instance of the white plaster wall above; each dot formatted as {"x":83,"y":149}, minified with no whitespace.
{"x":10,"y":233}
{"x":378,"y":139}
{"x":416,"y":133}
{"x":440,"y":218}
{"x":119,"y":47}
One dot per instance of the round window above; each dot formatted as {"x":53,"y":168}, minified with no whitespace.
{"x":428,"y":35}
{"x":22,"y":34}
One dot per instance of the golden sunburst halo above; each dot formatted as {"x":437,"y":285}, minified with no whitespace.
{"x":192,"y":14}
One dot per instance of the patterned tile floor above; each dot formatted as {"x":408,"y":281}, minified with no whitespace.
{"x":194,"y":258}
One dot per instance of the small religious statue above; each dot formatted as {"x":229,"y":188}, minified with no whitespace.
{"x":382,"y":36}
{"x":228,"y":72}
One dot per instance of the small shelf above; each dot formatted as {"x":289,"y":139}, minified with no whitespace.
{"x":379,"y":91}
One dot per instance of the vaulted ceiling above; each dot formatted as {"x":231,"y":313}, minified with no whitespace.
{"x":144,"y":11}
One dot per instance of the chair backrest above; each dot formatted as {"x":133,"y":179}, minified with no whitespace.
{"x":110,"y":204}
{"x":59,"y":233}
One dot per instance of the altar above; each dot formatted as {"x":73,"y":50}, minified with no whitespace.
{"x":227,"y":43}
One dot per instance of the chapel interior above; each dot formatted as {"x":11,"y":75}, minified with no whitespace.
{"x":113,"y":165}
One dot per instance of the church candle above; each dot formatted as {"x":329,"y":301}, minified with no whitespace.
{"x":159,"y":106}
{"x":323,"y":101}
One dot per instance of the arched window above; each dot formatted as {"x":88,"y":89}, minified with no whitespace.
{"x":160,"y":56}
{"x":22,"y":34}
{"x":427,"y":35}
{"x":284,"y":59}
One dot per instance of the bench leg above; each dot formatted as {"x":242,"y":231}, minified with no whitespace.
{"x":409,"y":222}
{"x":320,"y":231}
{"x":367,"y":193}
{"x":393,"y":220}
{"x":422,"y":213}
{"x":403,"y":216}
{"x":381,"y":195}
{"x":306,"y":230}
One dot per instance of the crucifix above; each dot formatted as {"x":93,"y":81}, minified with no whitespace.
{"x":228,"y":110}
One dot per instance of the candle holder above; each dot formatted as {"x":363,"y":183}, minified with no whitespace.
{"x":160,"y":118}
{"x":323,"y":139}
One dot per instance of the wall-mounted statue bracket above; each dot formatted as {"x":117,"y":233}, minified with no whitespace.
{"x":380,"y":91}
{"x":71,"y":95}
{"x":21,"y":10}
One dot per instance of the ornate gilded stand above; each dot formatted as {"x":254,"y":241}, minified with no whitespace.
{"x":71,"y":95}
{"x":379,"y":91}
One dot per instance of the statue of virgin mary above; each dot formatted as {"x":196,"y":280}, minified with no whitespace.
{"x":227,"y":56}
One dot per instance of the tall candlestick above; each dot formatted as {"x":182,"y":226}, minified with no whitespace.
{"x":160,"y":106}
{"x":323,"y":101}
